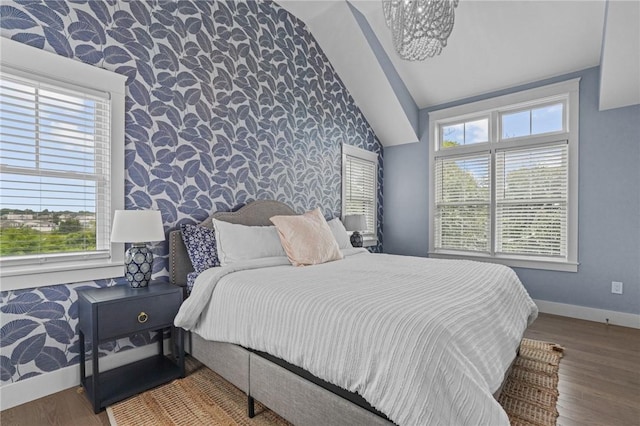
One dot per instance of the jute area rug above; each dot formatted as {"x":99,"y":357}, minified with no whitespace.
{"x":529,"y":396}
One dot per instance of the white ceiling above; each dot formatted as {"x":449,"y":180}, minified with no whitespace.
{"x":499,"y":44}
{"x":495,"y":44}
{"x":620,"y":62}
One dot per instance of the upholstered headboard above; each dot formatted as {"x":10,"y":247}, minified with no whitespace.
{"x":256,"y":213}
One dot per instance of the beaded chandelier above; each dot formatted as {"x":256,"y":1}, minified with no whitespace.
{"x":419,"y":28}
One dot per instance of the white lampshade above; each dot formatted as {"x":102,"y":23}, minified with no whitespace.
{"x":355,"y":222}
{"x":137,"y":226}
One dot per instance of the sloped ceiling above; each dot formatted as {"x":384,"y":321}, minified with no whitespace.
{"x":499,"y":44}
{"x":620,"y":63}
{"x":494,"y":45}
{"x":336,"y":30}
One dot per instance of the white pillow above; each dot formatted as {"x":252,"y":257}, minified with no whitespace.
{"x":340,"y":233}
{"x":240,"y":242}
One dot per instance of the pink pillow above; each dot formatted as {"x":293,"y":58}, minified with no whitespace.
{"x":307,"y":239}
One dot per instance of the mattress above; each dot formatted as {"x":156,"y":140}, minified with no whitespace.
{"x":424,"y":341}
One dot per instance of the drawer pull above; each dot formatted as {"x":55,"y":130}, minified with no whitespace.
{"x":142,"y":317}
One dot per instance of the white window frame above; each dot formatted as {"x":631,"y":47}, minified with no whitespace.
{"x":567,"y":92}
{"x":362,"y":154}
{"x":18,"y":58}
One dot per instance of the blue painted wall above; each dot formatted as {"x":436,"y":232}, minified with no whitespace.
{"x":609,"y":203}
{"x":227,"y":102}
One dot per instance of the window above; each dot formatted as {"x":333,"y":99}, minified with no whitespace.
{"x":462,"y":203}
{"x":531,"y":201}
{"x":54,"y":169}
{"x":360,"y":188}
{"x":465,"y":133}
{"x":533,"y":121}
{"x":61,"y":133}
{"x":504,"y":175}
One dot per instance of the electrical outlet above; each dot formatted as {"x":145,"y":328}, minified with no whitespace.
{"x":616,"y":287}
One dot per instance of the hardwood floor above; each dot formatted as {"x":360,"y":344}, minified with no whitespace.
{"x":599,"y":380}
{"x":599,"y":374}
{"x":69,"y":407}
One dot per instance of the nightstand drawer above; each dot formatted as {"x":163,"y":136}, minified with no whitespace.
{"x":135,"y":315}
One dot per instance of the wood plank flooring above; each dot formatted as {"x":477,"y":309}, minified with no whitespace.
{"x":599,"y":374}
{"x":599,"y":380}
{"x":69,"y":407}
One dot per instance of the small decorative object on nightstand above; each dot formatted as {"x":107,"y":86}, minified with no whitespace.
{"x":138,"y":227}
{"x":355,"y":223}
{"x":107,"y":314}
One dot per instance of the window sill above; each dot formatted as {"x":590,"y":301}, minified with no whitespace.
{"x":370,"y":243}
{"x":32,"y":276}
{"x":549,"y":265}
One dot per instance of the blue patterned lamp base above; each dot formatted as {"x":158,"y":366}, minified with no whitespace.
{"x":356,"y":239}
{"x":138,"y":265}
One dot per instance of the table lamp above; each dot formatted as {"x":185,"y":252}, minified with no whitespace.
{"x":355,"y":223}
{"x":137,"y":227}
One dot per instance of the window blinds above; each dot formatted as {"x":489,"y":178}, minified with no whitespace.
{"x":360,"y":191}
{"x":531,"y":200}
{"x":55,"y":164}
{"x":531,"y":192}
{"x":462,"y":203}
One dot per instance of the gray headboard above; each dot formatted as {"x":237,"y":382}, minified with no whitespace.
{"x":256,"y":213}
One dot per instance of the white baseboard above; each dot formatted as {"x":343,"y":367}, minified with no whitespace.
{"x":623,"y":319}
{"x":17,"y":393}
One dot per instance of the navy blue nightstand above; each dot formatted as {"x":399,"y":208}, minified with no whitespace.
{"x":107,"y":314}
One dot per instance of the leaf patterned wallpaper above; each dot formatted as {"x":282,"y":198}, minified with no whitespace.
{"x":227,"y":102}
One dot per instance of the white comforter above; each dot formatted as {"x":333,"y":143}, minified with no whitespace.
{"x":424,"y":341}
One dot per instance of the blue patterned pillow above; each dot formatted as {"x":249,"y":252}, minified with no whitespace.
{"x":191,"y":280}
{"x":201,"y":246}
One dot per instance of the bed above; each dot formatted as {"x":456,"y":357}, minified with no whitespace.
{"x":345,"y":342}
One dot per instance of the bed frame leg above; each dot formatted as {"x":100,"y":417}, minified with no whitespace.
{"x":250,"y":407}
